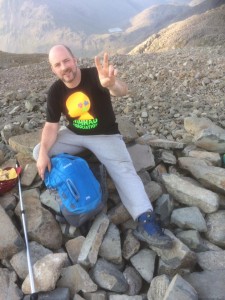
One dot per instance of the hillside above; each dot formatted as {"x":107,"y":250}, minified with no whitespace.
{"x":8,"y":60}
{"x":205,"y":29}
{"x":28,"y":26}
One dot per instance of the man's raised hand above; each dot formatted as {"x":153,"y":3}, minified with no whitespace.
{"x":106,"y":72}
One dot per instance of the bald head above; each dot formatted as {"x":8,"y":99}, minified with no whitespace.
{"x":57,"y":50}
{"x":64,"y":65}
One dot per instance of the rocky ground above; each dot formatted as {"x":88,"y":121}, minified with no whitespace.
{"x":185,"y":184}
{"x":163,"y":89}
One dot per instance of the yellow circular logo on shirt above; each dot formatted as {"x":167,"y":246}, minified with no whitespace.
{"x":78,"y":105}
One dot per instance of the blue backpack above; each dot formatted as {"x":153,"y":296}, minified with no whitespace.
{"x":82,"y":195}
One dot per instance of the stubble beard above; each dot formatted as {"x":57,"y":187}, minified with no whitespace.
{"x":70,"y":70}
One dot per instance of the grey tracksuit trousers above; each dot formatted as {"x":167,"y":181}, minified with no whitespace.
{"x":112,"y":152}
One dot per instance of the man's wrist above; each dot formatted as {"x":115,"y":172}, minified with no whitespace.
{"x":112,"y":87}
{"x":118,"y":89}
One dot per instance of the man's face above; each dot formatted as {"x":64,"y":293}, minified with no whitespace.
{"x":63,"y":65}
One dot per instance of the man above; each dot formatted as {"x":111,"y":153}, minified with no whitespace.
{"x":83,"y":96}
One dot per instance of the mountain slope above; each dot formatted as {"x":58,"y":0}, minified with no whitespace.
{"x":32,"y":26}
{"x":28,"y":26}
{"x":206,"y":29}
{"x":141,"y":26}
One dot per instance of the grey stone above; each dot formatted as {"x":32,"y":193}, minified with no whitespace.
{"x":211,"y":260}
{"x":158,"y":287}
{"x":46,"y":272}
{"x":90,"y":248}
{"x":210,"y":157}
{"x":180,"y":289}
{"x":191,"y":195}
{"x":99,"y":295}
{"x":108,"y":277}
{"x":57,"y":294}
{"x":141,"y":156}
{"x":211,"y":140}
{"x":209,"y":176}
{"x":118,"y":214}
{"x":29,"y":173}
{"x":41,"y":224}
{"x":159,"y":143}
{"x":179,"y":256}
{"x":25,"y":143}
{"x":11,"y":241}
{"x":130,"y":245}
{"x":19,"y":260}
{"x":110,"y":248}
{"x":73,"y":247}
{"x":208,"y":284}
{"x":144,"y":263}
{"x":134,"y":281}
{"x":189,"y":218}
{"x":124,"y":297}
{"x":216,"y":228}
{"x":8,"y":286}
{"x":127,"y":129}
{"x":154,"y":190}
{"x":193,"y":240}
{"x":163,"y":207}
{"x":77,"y":279}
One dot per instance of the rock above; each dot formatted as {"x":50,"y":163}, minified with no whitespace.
{"x":175,"y":106}
{"x":144,"y":262}
{"x":211,"y":157}
{"x":110,"y":248}
{"x":90,"y":248}
{"x":179,"y":256}
{"x":189,"y":218}
{"x":211,"y":260}
{"x":19,"y":260}
{"x":209,"y":176}
{"x":191,"y":195}
{"x":41,"y":224}
{"x":158,"y":287}
{"x":29,"y":174}
{"x":73,"y":247}
{"x":8,"y":286}
{"x":134,"y":280}
{"x":201,"y":281}
{"x":193,"y":240}
{"x":210,"y":140}
{"x":142,"y":156}
{"x":130,"y":245}
{"x":46,"y":273}
{"x":215,"y":228}
{"x":180,"y":289}
{"x":24,"y":143}
{"x":11,"y":241}
{"x":76,"y":279}
{"x":108,"y":277}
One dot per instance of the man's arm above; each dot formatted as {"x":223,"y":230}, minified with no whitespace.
{"x":107,"y":76}
{"x":48,"y":138}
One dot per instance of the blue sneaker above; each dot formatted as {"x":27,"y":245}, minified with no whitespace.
{"x":150,"y":231}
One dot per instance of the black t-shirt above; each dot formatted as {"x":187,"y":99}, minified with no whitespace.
{"x":87,"y":107}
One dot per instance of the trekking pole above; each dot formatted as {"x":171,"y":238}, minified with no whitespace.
{"x":34,"y":295}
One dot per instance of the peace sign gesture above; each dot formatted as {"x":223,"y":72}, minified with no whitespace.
{"x":107,"y":73}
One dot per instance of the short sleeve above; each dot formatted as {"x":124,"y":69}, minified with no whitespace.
{"x":54,"y":104}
